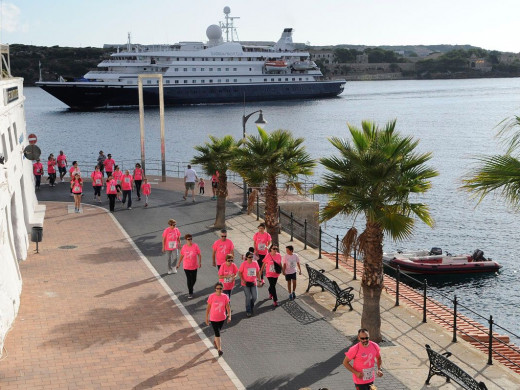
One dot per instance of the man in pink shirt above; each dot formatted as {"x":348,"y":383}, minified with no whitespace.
{"x":262,"y":241}
{"x":221,"y":248}
{"x":38,"y":172}
{"x":109,"y":165}
{"x":365,"y":354}
{"x":62,"y":165}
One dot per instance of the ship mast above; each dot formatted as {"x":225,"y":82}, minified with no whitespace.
{"x":228,"y":26}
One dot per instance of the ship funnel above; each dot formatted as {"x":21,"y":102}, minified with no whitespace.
{"x":285,"y":43}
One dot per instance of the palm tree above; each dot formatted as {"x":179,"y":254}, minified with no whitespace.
{"x":375,"y":174}
{"x":214,"y":156}
{"x":266,"y":158}
{"x":499,"y":172}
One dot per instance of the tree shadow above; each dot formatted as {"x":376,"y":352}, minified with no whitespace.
{"x":176,"y":340}
{"x":127,"y":286}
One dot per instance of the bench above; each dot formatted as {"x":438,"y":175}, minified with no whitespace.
{"x":440,"y":365}
{"x":318,"y":279}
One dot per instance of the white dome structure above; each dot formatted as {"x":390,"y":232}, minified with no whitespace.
{"x":214,"y":34}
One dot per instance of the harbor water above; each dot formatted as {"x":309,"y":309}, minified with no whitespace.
{"x":454,"y":119}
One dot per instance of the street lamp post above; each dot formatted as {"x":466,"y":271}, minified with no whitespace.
{"x":259,"y":121}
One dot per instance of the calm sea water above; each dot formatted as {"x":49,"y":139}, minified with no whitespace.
{"x":455,"y":119}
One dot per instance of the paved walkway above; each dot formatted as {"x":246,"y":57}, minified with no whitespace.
{"x":119,"y":319}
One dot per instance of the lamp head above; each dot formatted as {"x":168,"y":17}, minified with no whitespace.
{"x":261,"y":121}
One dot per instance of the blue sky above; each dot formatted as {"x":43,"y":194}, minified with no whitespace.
{"x":488,"y":24}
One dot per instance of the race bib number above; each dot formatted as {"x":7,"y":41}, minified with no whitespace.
{"x":368,"y":373}
{"x":77,"y":188}
{"x":127,"y":180}
{"x":251,"y":272}
{"x":172,"y":244}
{"x":228,"y":279}
{"x":98,"y":181}
{"x":261,"y":247}
{"x":38,"y":171}
{"x":271,"y":269}
{"x":118,"y":181}
{"x":112,"y":188}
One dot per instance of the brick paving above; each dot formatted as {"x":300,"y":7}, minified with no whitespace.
{"x":94,"y":317}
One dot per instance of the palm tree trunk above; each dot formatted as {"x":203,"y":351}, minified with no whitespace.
{"x":372,"y":281}
{"x":271,"y":209}
{"x":222,"y":193}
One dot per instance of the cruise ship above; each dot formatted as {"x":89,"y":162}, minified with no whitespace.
{"x":218,"y":71}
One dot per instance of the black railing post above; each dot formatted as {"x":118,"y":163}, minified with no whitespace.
{"x":292,"y":226}
{"x":355,"y":264}
{"x":257,"y":205}
{"x":305,"y":234}
{"x":397,"y":281}
{"x":490,"y":347}
{"x":337,"y":251}
{"x":319,"y":233}
{"x":424,"y":300}
{"x":454,"y":319}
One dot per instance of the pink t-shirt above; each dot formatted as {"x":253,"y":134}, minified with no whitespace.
{"x":126,"y":182}
{"x":111,"y":187}
{"x":50,"y":166}
{"x":218,"y":303}
{"x":269,"y":267}
{"x":73,"y":171}
{"x":38,"y":169}
{"x":222,"y":248}
{"x":261,"y":240}
{"x":226,"y":275}
{"x":364,"y":361}
{"x":109,"y":164}
{"x":138,"y":174}
{"x":77,"y":186}
{"x":61,"y":160}
{"x":249,"y":272}
{"x":190,"y":259}
{"x":97,"y":179}
{"x":172,"y":238}
{"x":118,"y":176}
{"x":147,"y":189}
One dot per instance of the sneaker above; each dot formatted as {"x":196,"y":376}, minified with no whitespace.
{"x":170,"y":272}
{"x":146,"y":205}
{"x":275,"y":304}
{"x":138,"y":198}
{"x":270,"y":296}
{"x":220,"y":353}
{"x":129,"y":208}
{"x":175,"y":270}
{"x":290,"y":297}
{"x":293,"y":295}
{"x":248,"y":314}
{"x":190,"y":296}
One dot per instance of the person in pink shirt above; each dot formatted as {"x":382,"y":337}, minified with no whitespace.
{"x":51,"y":170}
{"x":192,"y":261}
{"x":249,"y":272}
{"x":126,"y":186}
{"x":138,"y":179}
{"x":272,"y":271}
{"x":365,"y":354}
{"x":218,"y":306}
{"x":227,"y":274}
{"x":76,"y":186}
{"x":171,"y":240}
{"x":73,"y":171}
{"x":118,"y":177}
{"x":111,"y":192}
{"x":109,"y":165}
{"x":221,"y":248}
{"x":201,"y":186}
{"x":97,"y":182}
{"x":214,"y":185}
{"x":38,"y":172}
{"x":147,"y":190}
{"x":62,"y":165}
{"x":262,"y":240}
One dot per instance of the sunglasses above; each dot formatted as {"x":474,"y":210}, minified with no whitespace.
{"x":363,"y":338}
{"x":189,"y":239}
{"x":249,"y":257}
{"x":274,"y":249}
{"x":218,"y":288}
{"x":223,"y":236}
{"x":230,"y":260}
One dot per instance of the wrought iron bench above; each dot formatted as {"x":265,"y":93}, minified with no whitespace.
{"x":440,"y":365}
{"x":317,"y":278}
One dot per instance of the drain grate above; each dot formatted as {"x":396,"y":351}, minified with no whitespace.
{"x":67,"y":247}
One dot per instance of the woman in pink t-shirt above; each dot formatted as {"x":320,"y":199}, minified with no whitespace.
{"x":227,"y":274}
{"x":190,"y":255}
{"x":138,"y":179}
{"x":218,"y":306}
{"x":111,"y":192}
{"x":262,"y":240}
{"x":270,"y":271}
{"x":51,"y":170}
{"x":171,"y":240}
{"x":126,"y":185}
{"x":97,"y":182}
{"x":249,"y":272}
{"x":118,"y":177}
{"x":38,"y":172}
{"x":147,"y":190}
{"x":76,"y":186}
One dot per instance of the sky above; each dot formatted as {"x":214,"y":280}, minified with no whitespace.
{"x":492,"y":25}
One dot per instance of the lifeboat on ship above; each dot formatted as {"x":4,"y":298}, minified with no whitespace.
{"x":275,"y":65}
{"x":304,"y":65}
{"x":433,"y":262}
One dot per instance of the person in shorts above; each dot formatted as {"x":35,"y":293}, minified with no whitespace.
{"x":190,"y":178}
{"x":290,"y":262}
{"x":214,"y":185}
{"x":62,"y":165}
{"x":364,"y":354}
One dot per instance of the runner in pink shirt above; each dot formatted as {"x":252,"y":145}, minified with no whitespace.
{"x":38,"y":172}
{"x":190,"y":255}
{"x":227,"y":274}
{"x":76,"y":186}
{"x":147,"y":190}
{"x":109,"y":165}
{"x":171,"y":241}
{"x":221,"y":248}
{"x":365,"y":354}
{"x":73,"y":171}
{"x":126,"y":185}
{"x":271,"y":271}
{"x":214,"y":185}
{"x":249,"y":272}
{"x":97,"y":182}
{"x":218,"y":306}
{"x":118,"y":177}
{"x":111,"y":192}
{"x":262,"y":240}
{"x":138,"y":179}
{"x":51,"y":170}
{"x":62,"y":165}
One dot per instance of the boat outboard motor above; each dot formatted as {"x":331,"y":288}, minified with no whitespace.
{"x":478,"y":255}
{"x":436,"y":251}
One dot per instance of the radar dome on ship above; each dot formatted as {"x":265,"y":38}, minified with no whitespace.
{"x":227,"y":10}
{"x":214,"y":32}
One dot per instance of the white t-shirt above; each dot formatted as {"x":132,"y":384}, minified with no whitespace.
{"x":190,"y":175}
{"x":290,"y":262}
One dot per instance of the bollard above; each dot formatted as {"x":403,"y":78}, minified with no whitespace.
{"x":424,"y":301}
{"x":292,"y":227}
{"x":397,"y":281}
{"x":355,"y":264}
{"x":454,"y":319}
{"x":490,"y":346}
{"x":319,"y":233}
{"x":337,"y":251}
{"x":305,"y":234}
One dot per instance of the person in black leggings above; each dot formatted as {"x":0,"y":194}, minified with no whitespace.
{"x":218,"y":306}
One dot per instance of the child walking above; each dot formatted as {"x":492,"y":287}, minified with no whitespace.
{"x":201,"y":186}
{"x":147,"y":190}
{"x":289,"y":263}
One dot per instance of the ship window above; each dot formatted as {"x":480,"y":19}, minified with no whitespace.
{"x":279,"y":79}
{"x":293,"y":79}
{"x":265,"y":79}
{"x":250,"y":80}
{"x":219,"y":69}
{"x":250,"y":69}
{"x":202,"y":69}
{"x":300,"y":79}
{"x":272,"y":79}
{"x":193,"y":81}
{"x":176,"y":69}
{"x":202,"y":81}
{"x":148,"y":81}
{"x":227,"y":69}
{"x":235,"y":80}
{"x":185,"y":81}
{"x":211,"y":69}
{"x":176,"y":81}
{"x":210,"y":80}
{"x":286,"y":79}
{"x":167,"y":81}
{"x":227,"y":80}
{"x":219,"y":80}
{"x":185,"y":69}
{"x":193,"y":59}
{"x":235,"y":69}
{"x":193,"y":69}
{"x":222,"y":59}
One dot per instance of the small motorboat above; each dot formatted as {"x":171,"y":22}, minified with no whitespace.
{"x":275,"y":65}
{"x":304,"y":65}
{"x":433,"y":262}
